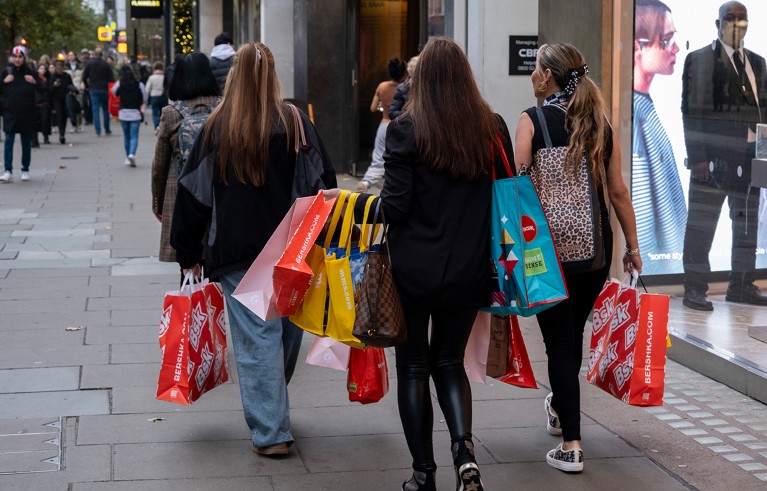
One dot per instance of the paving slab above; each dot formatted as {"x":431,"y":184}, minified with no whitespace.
{"x":58,"y":272}
{"x":38,"y":306}
{"x":53,"y":356}
{"x":147,"y":352}
{"x":121,"y":335}
{"x":174,"y":427}
{"x":126,"y":303}
{"x":255,"y":483}
{"x":149,"y":317}
{"x":52,"y":404}
{"x":51,"y":320}
{"x":138,"y":282}
{"x":345,"y":420}
{"x":193,"y":460}
{"x":39,"y":379}
{"x":81,"y":463}
{"x":57,"y":290}
{"x":141,"y":400}
{"x":125,"y":375}
{"x":32,"y":283}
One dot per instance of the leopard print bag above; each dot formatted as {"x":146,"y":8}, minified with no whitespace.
{"x":572,"y":206}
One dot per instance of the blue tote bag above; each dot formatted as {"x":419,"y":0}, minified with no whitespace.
{"x":524,"y":255}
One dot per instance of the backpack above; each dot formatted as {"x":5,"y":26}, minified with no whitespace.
{"x":194,"y":118}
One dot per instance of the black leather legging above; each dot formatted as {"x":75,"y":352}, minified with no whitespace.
{"x":442,"y":359}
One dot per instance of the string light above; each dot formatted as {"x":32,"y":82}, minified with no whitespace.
{"x":183,"y":34}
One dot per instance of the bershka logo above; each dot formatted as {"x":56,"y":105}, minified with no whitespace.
{"x":165,"y":320}
{"x":622,"y":372}
{"x":221,"y":321}
{"x":529,"y":228}
{"x":179,"y":361}
{"x":648,"y":350}
{"x":610,"y":356}
{"x":307,"y":240}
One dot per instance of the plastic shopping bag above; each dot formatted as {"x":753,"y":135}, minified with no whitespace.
{"x":368,"y":379}
{"x":193,"y":342}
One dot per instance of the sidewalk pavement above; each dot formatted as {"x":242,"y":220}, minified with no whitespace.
{"x":81,"y":293}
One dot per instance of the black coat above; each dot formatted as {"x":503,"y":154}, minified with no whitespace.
{"x":19,"y":111}
{"x":715,"y":115}
{"x":439,"y":228}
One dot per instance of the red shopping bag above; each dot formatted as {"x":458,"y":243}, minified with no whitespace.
{"x":292,"y":275}
{"x":193,"y":342}
{"x":368,"y":379}
{"x":256,"y":289}
{"x":112,"y":100}
{"x":627,"y":356}
{"x":520,"y":372}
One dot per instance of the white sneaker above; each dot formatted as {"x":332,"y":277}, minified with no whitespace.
{"x":552,"y":418}
{"x":132,"y":160}
{"x":71,"y":130}
{"x":25,"y":176}
{"x":565,"y":460}
{"x":6,"y":177}
{"x":126,"y":162}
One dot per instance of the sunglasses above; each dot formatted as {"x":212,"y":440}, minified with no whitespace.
{"x":665,"y":43}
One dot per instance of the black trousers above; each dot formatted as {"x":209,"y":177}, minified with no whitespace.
{"x":562,"y":328}
{"x":442,"y":359}
{"x":60,"y":107}
{"x":706,"y":200}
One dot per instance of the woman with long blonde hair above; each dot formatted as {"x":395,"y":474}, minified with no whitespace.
{"x":237,"y":186}
{"x":574,"y":113}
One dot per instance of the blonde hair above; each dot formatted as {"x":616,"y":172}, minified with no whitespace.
{"x":251,"y":110}
{"x":586,"y":119}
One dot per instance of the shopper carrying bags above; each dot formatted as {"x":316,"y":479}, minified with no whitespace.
{"x":436,"y":201}
{"x":243,"y":162}
{"x":574,"y":114}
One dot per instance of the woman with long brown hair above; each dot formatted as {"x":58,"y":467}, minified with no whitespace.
{"x":574,"y":113}
{"x":439,"y":160}
{"x":236,"y":186}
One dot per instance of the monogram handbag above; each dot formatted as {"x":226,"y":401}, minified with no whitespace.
{"x":571,"y":204}
{"x":380,"y":320}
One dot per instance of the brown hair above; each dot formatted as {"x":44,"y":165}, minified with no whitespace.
{"x":586,"y":118}
{"x":251,"y":110}
{"x":455,"y":129}
{"x":649,"y":20}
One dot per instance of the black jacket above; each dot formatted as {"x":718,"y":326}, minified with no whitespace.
{"x":19,"y":112}
{"x":65,"y":85}
{"x":240,"y":217}
{"x":715,"y":115}
{"x":399,"y":100}
{"x":221,"y":69}
{"x":98,"y":74}
{"x":439,"y":228}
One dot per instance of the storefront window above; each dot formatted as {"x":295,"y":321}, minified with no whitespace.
{"x":694,"y":118}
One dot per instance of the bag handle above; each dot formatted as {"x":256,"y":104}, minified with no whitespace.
{"x":504,"y":158}
{"x":300,"y":133}
{"x":337,"y":209}
{"x":363,"y":243}
{"x":544,"y":126}
{"x":348,"y":222}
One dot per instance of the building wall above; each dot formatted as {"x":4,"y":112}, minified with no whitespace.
{"x":487,"y":28}
{"x":211,"y":25}
{"x":277,"y":33}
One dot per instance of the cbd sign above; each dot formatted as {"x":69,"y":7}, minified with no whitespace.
{"x":522,"y":53}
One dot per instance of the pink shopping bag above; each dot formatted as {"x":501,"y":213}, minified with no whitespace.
{"x":475,"y":356}
{"x":329,"y":353}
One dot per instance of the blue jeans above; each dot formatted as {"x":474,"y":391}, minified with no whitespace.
{"x":157,"y":102}
{"x":100,"y":99}
{"x":26,"y":151}
{"x":266,"y":354}
{"x":130,"y":136}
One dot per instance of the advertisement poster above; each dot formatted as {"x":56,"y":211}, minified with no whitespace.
{"x":660,"y":179}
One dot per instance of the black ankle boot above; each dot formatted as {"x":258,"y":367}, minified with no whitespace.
{"x":466,"y":469}
{"x":421,"y":481}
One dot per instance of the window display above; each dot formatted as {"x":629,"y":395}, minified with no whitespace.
{"x":696,"y":102}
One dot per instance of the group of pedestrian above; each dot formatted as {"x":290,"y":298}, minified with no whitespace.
{"x":439,"y":157}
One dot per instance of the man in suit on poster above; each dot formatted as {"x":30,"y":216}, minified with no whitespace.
{"x":723,"y":97}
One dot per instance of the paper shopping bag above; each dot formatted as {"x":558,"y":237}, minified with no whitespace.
{"x":499,"y":342}
{"x":292,"y":275}
{"x":256,"y":289}
{"x":329,"y":353}
{"x":628,"y":344}
{"x":311,"y":313}
{"x":476,"y":353}
{"x":193,"y":342}
{"x":368,"y":379}
{"x":519,"y":371}
{"x":530,"y":277}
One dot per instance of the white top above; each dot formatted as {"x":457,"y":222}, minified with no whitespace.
{"x":130,"y":114}
{"x":154,"y":86}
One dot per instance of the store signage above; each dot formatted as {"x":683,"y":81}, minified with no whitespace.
{"x":146,"y":9}
{"x":522,"y":53}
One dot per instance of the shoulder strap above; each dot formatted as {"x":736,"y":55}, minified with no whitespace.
{"x":298,"y":125}
{"x":544,"y":126}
